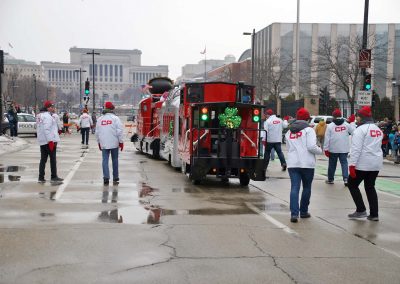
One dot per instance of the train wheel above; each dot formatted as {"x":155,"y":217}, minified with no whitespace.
{"x":244,"y":179}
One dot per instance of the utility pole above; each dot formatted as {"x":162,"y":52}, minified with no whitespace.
{"x":94,"y":77}
{"x":1,"y":89}
{"x":297,"y":93}
{"x":34,"y":90}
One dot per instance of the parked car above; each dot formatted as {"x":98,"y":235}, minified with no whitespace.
{"x":317,"y":118}
{"x":26,"y":124}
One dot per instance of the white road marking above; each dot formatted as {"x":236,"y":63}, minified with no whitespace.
{"x":271,"y":219}
{"x":68,"y":178}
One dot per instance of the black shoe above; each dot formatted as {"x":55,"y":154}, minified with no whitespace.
{"x":373,"y":218}
{"x":106,"y":181}
{"x":305,"y":215}
{"x":284,"y":166}
{"x":293,"y":219}
{"x":57,"y":179}
{"x":116,"y":181}
{"x":41,"y":180}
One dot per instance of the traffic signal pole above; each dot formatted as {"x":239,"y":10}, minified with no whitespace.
{"x":94,"y":77}
{"x":365,"y":34}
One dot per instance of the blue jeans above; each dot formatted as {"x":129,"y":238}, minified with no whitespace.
{"x":278,"y":149}
{"x":298,"y":176}
{"x":114,"y":159}
{"x":333,"y":157}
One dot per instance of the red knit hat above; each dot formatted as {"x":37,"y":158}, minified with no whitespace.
{"x":337,"y":113}
{"x":302,"y":114}
{"x":365,"y":111}
{"x":269,"y":111}
{"x":109,"y":105}
{"x":48,"y":104}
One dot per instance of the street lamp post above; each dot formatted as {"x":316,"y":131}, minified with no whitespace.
{"x":396,"y":99}
{"x":80,"y":86}
{"x":94,"y":77}
{"x":252,"y":53}
{"x":34,"y":91}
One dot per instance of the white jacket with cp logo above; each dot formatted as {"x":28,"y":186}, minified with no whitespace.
{"x":366,"y":152}
{"x":109,"y":132}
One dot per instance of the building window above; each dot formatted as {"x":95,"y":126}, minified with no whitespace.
{"x":106,"y":70}
{"x":49,"y":75}
{"x":111,"y":70}
{"x":90,"y":70}
{"x":116,"y":70}
{"x":101,"y":70}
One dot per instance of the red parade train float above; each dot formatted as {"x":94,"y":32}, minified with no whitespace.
{"x":210,"y":128}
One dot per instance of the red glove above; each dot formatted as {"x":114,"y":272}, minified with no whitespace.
{"x":286,"y":117}
{"x":59,"y":132}
{"x":327,"y":153}
{"x":121,"y":146}
{"x":351,"y":118}
{"x":264,"y":143}
{"x":51,"y":146}
{"x":99,"y":146}
{"x":352,"y":170}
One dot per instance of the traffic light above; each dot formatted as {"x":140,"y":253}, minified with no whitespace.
{"x":87,"y":87}
{"x":367,"y":82}
{"x":204,"y":114}
{"x":256,"y":115}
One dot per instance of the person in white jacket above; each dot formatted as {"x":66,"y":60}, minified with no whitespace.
{"x":337,"y":146}
{"x":301,"y":143}
{"x":85,"y":122}
{"x":366,"y":160}
{"x":273,"y":125}
{"x":109,"y":136}
{"x":47,"y":137}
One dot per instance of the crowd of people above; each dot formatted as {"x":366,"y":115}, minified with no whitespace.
{"x":356,"y":142}
{"x":109,"y":136}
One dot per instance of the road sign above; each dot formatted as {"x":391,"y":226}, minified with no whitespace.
{"x":364,"y":58}
{"x":364,"y":98}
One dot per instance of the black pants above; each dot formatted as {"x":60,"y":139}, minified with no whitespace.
{"x":44,"y":153}
{"x":278,"y":149}
{"x":13,"y":129}
{"x":85,"y":135}
{"x":369,"y":178}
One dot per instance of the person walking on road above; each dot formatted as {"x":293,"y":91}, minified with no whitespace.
{"x":12,"y":118}
{"x":273,"y":125}
{"x":320,"y":130}
{"x":366,"y":160}
{"x":337,"y":146}
{"x":47,"y":137}
{"x":65,"y":119}
{"x":109,"y":135}
{"x":85,"y":123}
{"x":302,"y":147}
{"x":94,"y":120}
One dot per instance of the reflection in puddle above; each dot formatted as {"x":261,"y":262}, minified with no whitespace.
{"x":10,"y":178}
{"x":146,"y":190}
{"x":9,"y":169}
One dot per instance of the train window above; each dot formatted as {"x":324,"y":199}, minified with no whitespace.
{"x":196,"y":118}
{"x":195,"y":94}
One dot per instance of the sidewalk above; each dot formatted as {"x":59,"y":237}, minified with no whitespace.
{"x":8,"y":145}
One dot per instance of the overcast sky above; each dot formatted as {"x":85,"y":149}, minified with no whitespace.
{"x":168,"y":32}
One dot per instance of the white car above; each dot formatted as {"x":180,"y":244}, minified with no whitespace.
{"x":317,"y":118}
{"x":26,"y":124}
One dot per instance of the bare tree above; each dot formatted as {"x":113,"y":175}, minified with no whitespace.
{"x":339,"y":61}
{"x":273,"y":74}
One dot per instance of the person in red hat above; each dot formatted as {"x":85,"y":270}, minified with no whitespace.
{"x":337,"y":146}
{"x":301,"y":143}
{"x":47,"y":137}
{"x":273,"y":125}
{"x":109,"y":135}
{"x":365,"y":162}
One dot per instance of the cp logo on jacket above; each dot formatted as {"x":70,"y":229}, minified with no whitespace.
{"x":375,"y":133}
{"x":295,"y":135}
{"x":106,"y":122}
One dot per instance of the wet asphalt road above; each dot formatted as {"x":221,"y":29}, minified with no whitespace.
{"x":156,"y":227}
